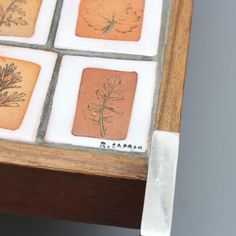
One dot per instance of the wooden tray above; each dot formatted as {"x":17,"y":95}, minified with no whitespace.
{"x":88,"y":186}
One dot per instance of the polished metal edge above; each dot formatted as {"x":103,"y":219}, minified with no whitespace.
{"x":160,"y":189}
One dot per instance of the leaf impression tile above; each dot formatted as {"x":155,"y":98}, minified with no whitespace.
{"x":17,"y":81}
{"x":110,"y":19}
{"x":26,"y":21}
{"x":18,"y":17}
{"x":118,"y":26}
{"x":103,"y":103}
{"x":25,"y":75}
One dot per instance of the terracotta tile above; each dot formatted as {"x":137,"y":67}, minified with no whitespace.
{"x":17,"y":81}
{"x":18,"y":17}
{"x":111,"y":19}
{"x":104,"y":104}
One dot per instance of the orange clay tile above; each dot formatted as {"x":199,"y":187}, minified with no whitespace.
{"x":111,"y":19}
{"x":17,"y":81}
{"x":18,"y":17}
{"x":105,"y":104}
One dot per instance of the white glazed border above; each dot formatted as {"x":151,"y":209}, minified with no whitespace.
{"x":28,"y":130}
{"x":65,"y":100}
{"x":147,"y":45}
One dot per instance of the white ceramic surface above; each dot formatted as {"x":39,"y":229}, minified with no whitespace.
{"x":42,"y":27}
{"x":66,"y":94}
{"x":147,"y":45}
{"x":28,"y":129}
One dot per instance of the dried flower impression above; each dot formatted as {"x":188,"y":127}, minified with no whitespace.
{"x":105,"y":104}
{"x":111,"y":19}
{"x":18,"y":17}
{"x":17,"y":81}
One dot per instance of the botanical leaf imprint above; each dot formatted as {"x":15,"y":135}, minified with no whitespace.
{"x":104,"y":110}
{"x":106,"y":17}
{"x":10,"y":79}
{"x":13,"y":14}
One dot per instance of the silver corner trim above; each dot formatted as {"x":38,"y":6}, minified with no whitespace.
{"x":160,"y":188}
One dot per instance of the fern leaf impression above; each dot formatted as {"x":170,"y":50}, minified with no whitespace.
{"x":10,"y":79}
{"x":17,"y":81}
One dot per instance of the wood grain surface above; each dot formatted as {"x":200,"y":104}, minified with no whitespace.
{"x":87,"y":186}
{"x":73,"y":161}
{"x":176,"y":55}
{"x":72,"y":184}
{"x":71,"y":196}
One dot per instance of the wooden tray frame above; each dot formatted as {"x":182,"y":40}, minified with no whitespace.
{"x":91,"y":187}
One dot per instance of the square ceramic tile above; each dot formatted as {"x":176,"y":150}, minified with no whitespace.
{"x":118,"y":26}
{"x":26,"y":21}
{"x":103,"y":103}
{"x":25,"y":75}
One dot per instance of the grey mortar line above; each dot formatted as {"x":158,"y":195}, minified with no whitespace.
{"x":48,"y":103}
